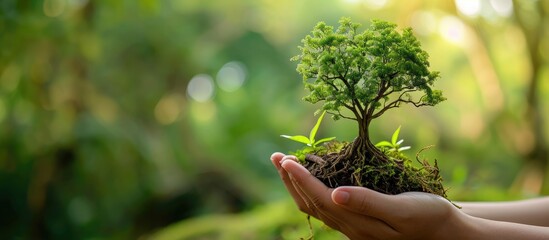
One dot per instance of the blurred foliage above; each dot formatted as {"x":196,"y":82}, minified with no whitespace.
{"x":270,"y":221}
{"x":118,"y":118}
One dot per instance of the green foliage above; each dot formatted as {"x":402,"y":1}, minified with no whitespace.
{"x":394,"y":144}
{"x":310,"y":141}
{"x":84,"y":99}
{"x":393,"y":148}
{"x":368,"y":72}
{"x":275,"y":220}
{"x":82,"y":93}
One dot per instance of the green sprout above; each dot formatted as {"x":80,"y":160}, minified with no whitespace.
{"x":394,"y":144}
{"x":310,"y":141}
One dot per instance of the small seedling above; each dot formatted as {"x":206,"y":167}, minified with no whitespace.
{"x":394,"y":144}
{"x":312,"y":144}
{"x":310,"y":141}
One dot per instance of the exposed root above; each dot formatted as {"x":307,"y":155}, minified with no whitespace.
{"x":356,"y":166}
{"x":314,"y":158}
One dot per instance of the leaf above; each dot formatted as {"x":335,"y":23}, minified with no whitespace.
{"x":384,"y":144}
{"x":395,"y":136}
{"x":404,"y":148}
{"x":315,"y":128}
{"x":298,"y":138}
{"x":323,"y":140}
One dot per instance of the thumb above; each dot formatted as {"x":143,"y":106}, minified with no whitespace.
{"x":366,"y":202}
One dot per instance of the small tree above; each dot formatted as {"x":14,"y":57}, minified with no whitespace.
{"x":367,"y":73}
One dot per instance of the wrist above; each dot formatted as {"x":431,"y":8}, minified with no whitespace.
{"x":457,"y":225}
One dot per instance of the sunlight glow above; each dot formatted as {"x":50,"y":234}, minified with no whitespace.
{"x":371,"y":4}
{"x":168,"y":109}
{"x":469,"y":8}
{"x":424,"y":23}
{"x":503,"y":8}
{"x":453,"y":30}
{"x":54,"y":8}
{"x":201,"y":88}
{"x":231,"y":76}
{"x":375,"y":4}
{"x":354,"y":2}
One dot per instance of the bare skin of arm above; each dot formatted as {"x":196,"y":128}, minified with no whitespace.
{"x":533,"y":211}
{"x":361,"y":213}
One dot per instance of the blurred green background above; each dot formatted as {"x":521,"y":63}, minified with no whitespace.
{"x":156,"y":119}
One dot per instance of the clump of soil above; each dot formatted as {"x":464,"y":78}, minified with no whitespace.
{"x":389,"y":172}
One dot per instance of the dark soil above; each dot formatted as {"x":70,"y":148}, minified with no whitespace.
{"x":388,"y":174}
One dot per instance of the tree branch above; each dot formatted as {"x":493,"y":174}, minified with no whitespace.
{"x":383,"y":86}
{"x":341,"y":115}
{"x":400,"y":99}
{"x":356,"y":103}
{"x":332,"y":84}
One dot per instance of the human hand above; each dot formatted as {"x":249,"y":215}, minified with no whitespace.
{"x":361,"y":213}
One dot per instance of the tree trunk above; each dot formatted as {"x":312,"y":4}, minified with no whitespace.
{"x":364,"y":147}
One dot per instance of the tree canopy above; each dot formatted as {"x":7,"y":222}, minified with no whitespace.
{"x":367,"y":73}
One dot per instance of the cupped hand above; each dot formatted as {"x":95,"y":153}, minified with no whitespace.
{"x":361,"y":213}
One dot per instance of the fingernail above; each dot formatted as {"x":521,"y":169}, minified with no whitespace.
{"x":282,"y":162}
{"x":340,"y":197}
{"x":284,"y":159}
{"x":283,"y":165}
{"x":273,"y":155}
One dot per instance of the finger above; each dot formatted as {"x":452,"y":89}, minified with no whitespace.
{"x":276,"y":158}
{"x":305,"y":205}
{"x":322,"y":214}
{"x":317,"y":194}
{"x":313,"y":205}
{"x":368,"y":202}
{"x":318,"y":197}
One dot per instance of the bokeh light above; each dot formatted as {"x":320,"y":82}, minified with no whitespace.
{"x":201,"y":88}
{"x":471,"y":8}
{"x":231,"y":76}
{"x":453,"y":30}
{"x":168,"y":109}
{"x":376,"y":4}
{"x":54,"y":8}
{"x":503,"y":8}
{"x":424,"y":23}
{"x":182,"y":102}
{"x":370,"y":4}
